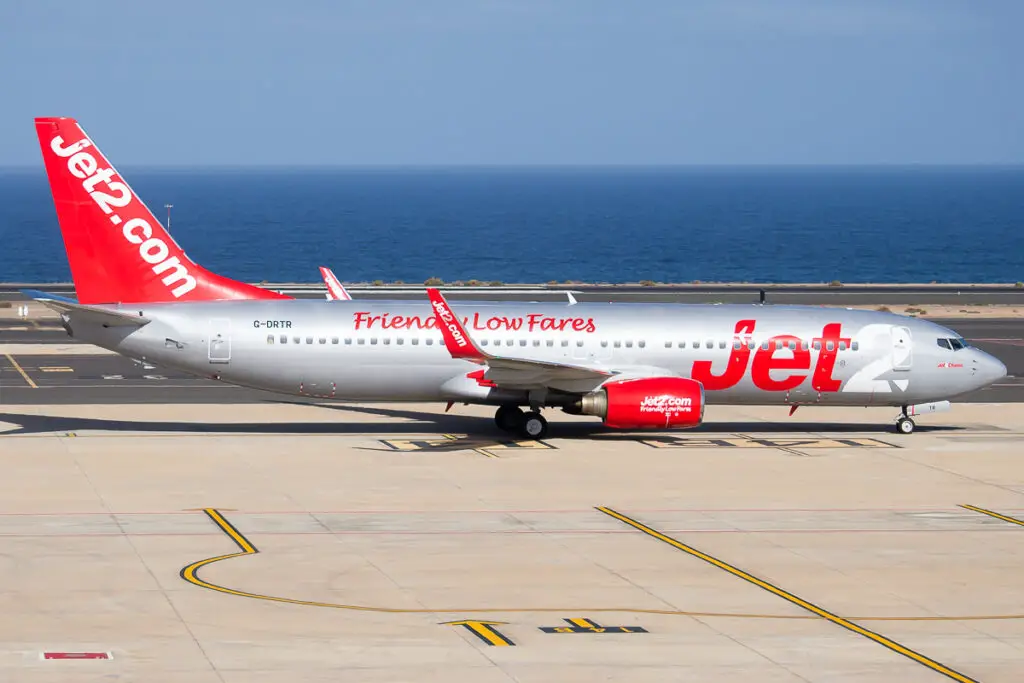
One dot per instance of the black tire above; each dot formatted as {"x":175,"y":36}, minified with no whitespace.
{"x":905,"y":425}
{"x":508,"y":418}
{"x":534,"y":426}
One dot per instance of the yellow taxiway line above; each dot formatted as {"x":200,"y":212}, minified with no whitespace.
{"x":789,"y":597}
{"x":21,"y":370}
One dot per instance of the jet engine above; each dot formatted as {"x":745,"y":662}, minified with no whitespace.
{"x":647,"y":403}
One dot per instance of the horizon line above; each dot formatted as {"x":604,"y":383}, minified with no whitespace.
{"x":556,"y":166}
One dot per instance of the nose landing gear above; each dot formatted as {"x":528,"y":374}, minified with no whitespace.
{"x":904,"y":425}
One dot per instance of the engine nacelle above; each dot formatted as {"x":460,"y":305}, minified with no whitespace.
{"x":647,"y":403}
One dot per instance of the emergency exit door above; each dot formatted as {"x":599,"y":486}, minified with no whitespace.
{"x":220,"y":340}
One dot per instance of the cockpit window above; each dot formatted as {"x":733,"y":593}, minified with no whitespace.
{"x":953,"y":343}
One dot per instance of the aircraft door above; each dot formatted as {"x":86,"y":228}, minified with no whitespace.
{"x":220,"y":340}
{"x":902,"y":348}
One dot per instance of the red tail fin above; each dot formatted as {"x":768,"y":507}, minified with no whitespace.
{"x":117,"y":249}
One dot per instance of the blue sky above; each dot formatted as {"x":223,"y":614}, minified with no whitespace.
{"x":519,"y":81}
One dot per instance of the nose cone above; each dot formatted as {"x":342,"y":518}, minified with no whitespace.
{"x":990,"y":369}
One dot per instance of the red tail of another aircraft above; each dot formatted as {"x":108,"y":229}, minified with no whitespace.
{"x":117,"y":249}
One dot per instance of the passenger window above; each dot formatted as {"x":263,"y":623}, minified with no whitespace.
{"x":387,"y":341}
{"x":817,"y":346}
{"x":854,"y":345}
{"x":522,"y":342}
{"x":296,"y":340}
{"x":400,"y":341}
{"x":309,"y":340}
{"x":483,"y":342}
{"x":361,"y":341}
{"x":803,"y":344}
{"x":270,"y":339}
{"x":710,"y":343}
{"x":792,"y":346}
{"x":284,"y":339}
{"x":323,"y":340}
{"x":509,"y":342}
{"x":629,"y":344}
{"x":415,"y":341}
{"x":695,"y":344}
{"x":536,"y":342}
{"x":617,"y":344}
{"x":764,"y":346}
{"x":565,"y":342}
{"x":830,"y":345}
{"x":778,"y":345}
{"x":550,"y":342}
{"x":579,"y":342}
{"x":641,"y":343}
{"x":373,"y":340}
{"x":722,"y":344}
{"x":334,"y":340}
{"x":751,"y":345}
{"x":348,"y":341}
{"x":430,"y":341}
{"x":736,"y":345}
{"x":842,"y":346}
{"x":668,"y":344}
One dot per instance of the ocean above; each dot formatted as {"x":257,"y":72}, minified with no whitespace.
{"x":526,"y":225}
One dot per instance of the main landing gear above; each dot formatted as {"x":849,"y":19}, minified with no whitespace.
{"x":511,"y":418}
{"x":904,"y":425}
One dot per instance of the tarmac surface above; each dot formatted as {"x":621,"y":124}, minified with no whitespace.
{"x":295,"y":542}
{"x":159,"y":527}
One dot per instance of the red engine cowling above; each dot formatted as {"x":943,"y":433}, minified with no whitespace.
{"x":648,"y":403}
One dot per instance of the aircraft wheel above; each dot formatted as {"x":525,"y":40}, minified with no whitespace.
{"x":508,"y":418}
{"x":534,"y":426}
{"x":904,"y":425}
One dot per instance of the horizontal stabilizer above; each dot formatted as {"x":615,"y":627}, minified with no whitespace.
{"x":85,"y":313}
{"x":39,"y":295}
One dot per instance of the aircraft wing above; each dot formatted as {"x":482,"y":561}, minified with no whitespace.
{"x":335,"y":290}
{"x":504,"y":370}
{"x":93,"y":314}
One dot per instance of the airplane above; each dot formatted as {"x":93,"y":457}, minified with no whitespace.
{"x":635,"y":366}
{"x":335,"y":290}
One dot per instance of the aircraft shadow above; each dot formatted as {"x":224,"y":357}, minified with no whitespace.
{"x":424,"y":423}
{"x":595,"y":429}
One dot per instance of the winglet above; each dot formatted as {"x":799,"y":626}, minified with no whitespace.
{"x":572,"y":299}
{"x":335,"y":290}
{"x":456,"y":339}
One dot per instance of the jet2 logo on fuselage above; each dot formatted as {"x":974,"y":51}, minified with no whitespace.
{"x":272,"y":324}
